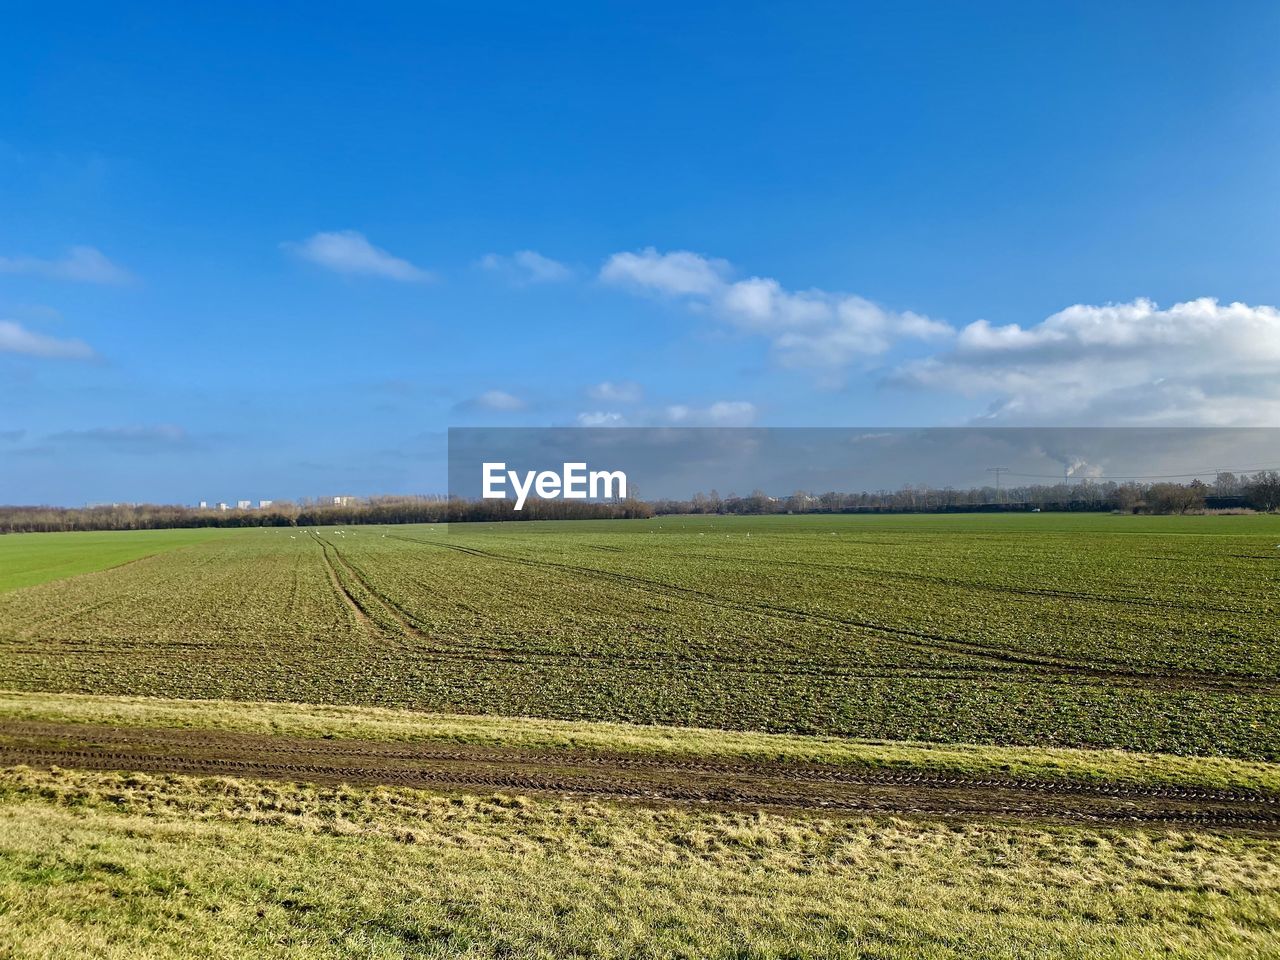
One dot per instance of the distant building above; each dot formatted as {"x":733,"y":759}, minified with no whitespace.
{"x":204,"y":504}
{"x":343,"y":501}
{"x":263,"y":504}
{"x":223,"y":506}
{"x":244,"y":504}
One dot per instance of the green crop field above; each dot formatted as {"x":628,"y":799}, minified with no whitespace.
{"x":1152,"y":634}
{"x":28,"y":559}
{"x":1078,"y":655}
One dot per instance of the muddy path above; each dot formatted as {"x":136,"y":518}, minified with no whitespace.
{"x":649,"y":779}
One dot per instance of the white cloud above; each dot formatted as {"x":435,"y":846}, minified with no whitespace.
{"x":527,"y":266}
{"x":722,"y":413}
{"x":726,"y":412}
{"x":15,"y":338}
{"x":498,"y":400}
{"x":623,"y":391}
{"x":349,"y":252}
{"x":1198,"y":362}
{"x":808,"y":328}
{"x":676,"y":274}
{"x":600,"y":418}
{"x":81,"y":264}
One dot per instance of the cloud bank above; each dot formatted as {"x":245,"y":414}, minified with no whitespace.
{"x":806,"y":328}
{"x":1197,"y":362}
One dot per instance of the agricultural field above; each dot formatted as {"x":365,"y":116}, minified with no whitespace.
{"x":784,"y":737}
{"x":1150,"y":634}
{"x":28,"y":560}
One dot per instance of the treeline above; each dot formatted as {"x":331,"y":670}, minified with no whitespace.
{"x":1260,"y":491}
{"x":420,"y":509}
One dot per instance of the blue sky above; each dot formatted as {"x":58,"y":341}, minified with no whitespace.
{"x":250,"y":253}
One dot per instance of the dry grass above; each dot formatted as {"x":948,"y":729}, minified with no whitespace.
{"x":120,"y":865}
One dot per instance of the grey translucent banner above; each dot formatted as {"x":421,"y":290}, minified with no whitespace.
{"x":677,"y":463}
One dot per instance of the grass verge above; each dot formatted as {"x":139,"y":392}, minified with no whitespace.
{"x":128,"y":865}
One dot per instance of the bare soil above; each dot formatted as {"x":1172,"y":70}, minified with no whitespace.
{"x":649,"y":779}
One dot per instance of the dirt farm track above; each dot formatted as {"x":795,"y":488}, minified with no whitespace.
{"x":620,"y":777}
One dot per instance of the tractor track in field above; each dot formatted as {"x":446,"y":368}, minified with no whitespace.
{"x":397,"y":614}
{"x":403,"y":621}
{"x":405,"y":624}
{"x":340,"y":588}
{"x":452,"y":750}
{"x":1158,"y":679}
{"x":979,"y":586}
{"x":378,"y":613}
{"x":648,"y":779}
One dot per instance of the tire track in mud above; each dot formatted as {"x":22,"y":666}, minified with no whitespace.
{"x":1158,"y":679}
{"x":798,"y":770}
{"x":651,"y":779}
